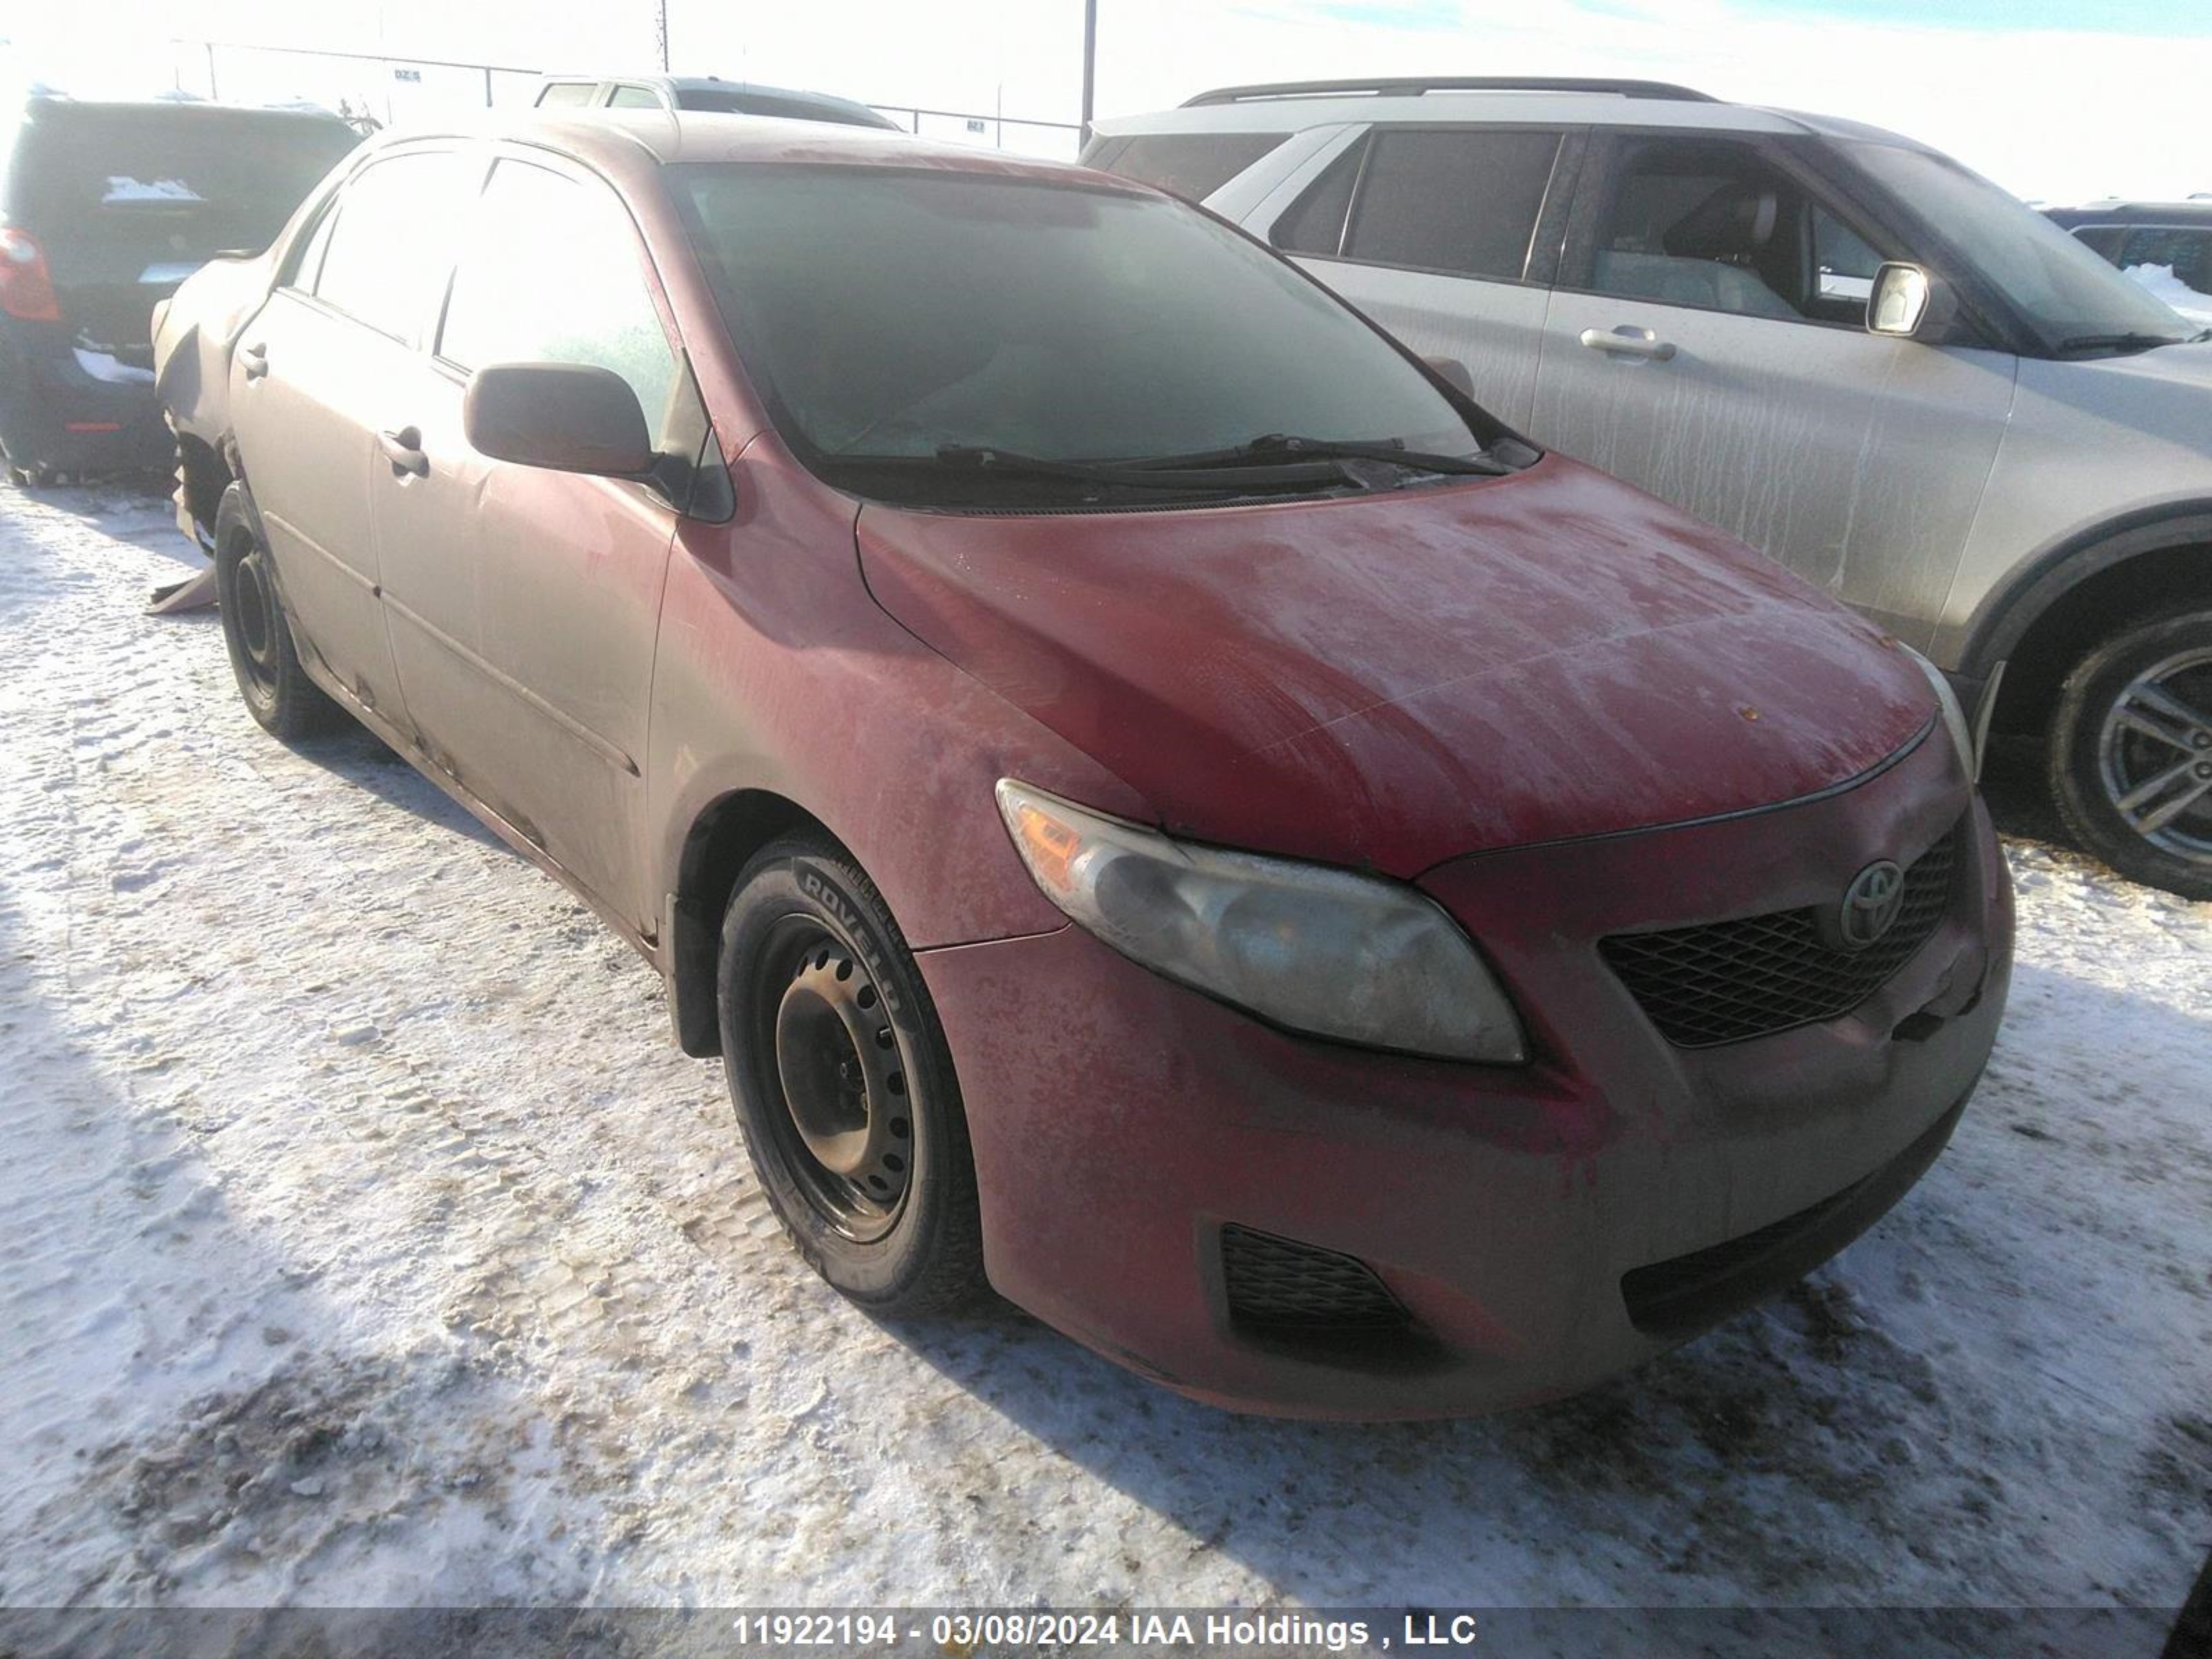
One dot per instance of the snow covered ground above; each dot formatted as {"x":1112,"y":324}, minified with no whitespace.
{"x":366,"y":1242}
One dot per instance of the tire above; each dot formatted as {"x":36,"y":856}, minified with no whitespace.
{"x":278,"y":692}
{"x":2129,"y":762}
{"x":843,"y":1084}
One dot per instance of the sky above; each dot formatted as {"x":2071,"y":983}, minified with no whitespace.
{"x":2055,"y":99}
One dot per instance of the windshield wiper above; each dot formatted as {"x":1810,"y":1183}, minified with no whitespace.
{"x":1277,"y":447}
{"x":2136,"y":341}
{"x":1137,"y":475}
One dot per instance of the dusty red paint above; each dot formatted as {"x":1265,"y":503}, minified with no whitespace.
{"x":1393,"y":682}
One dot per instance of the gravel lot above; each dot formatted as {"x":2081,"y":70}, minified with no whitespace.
{"x":370,"y":1243}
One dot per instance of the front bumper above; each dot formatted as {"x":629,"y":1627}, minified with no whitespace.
{"x":54,"y":414}
{"x":1120,"y":1123}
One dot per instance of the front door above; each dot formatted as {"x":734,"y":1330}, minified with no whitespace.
{"x":1707,"y":343}
{"x":525,"y":603}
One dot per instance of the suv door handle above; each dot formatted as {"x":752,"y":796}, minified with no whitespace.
{"x":255,"y":361}
{"x":403,"y":449}
{"x":1628,"y":341}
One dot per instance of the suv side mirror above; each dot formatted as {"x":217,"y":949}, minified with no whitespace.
{"x":1910,"y":302}
{"x":570,"y":418}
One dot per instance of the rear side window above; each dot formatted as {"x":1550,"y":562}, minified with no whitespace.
{"x":2185,"y":250}
{"x":550,"y":274}
{"x":565,"y":93}
{"x":386,"y":253}
{"x":1191,"y":165}
{"x":1464,"y":202}
{"x":633,"y":97}
{"x":1315,"y":224}
{"x":2106,"y":238}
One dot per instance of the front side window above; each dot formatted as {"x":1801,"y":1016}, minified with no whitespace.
{"x":892,"y":313}
{"x":1462,"y":202}
{"x":2073,"y":300}
{"x":1191,"y":165}
{"x":389,"y":249}
{"x":550,"y":274}
{"x":1716,"y":225}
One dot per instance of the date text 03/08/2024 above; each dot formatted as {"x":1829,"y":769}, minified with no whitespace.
{"x":968,"y":1632}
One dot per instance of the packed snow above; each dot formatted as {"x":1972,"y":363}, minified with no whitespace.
{"x":369,"y":1243}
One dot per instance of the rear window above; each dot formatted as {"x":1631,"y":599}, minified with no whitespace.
{"x":1191,"y":165}
{"x":200,"y":181}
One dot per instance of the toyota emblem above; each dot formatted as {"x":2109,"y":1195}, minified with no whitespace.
{"x":1870,"y":905}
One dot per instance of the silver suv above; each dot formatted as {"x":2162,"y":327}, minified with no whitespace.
{"x":1834,"y":342}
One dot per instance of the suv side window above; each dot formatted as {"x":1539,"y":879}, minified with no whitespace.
{"x":550,"y":274}
{"x":387,"y":249}
{"x":1715,"y":224}
{"x":566,"y":94}
{"x":633,"y":97}
{"x":1462,"y":201}
{"x":1191,"y":165}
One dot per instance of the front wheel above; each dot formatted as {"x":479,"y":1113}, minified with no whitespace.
{"x":2131,"y":755}
{"x":843,"y":1086}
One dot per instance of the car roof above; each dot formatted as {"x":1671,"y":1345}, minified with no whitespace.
{"x":47,"y":105}
{"x":617,"y":140}
{"x":2115,"y":212}
{"x":1293,"y":106}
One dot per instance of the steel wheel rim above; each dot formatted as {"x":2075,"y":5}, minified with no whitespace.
{"x":2155,"y":755}
{"x":843,"y":1117}
{"x":256,"y":611}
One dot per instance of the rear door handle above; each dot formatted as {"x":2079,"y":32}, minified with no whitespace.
{"x":255,"y":359}
{"x":403,"y":449}
{"x":1629,"y":341}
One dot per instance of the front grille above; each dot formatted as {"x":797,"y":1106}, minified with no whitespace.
{"x":1731,"y":980}
{"x":1281,"y":1285}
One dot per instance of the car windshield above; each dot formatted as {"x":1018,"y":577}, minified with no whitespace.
{"x":2066,"y":292}
{"x":190,"y":180}
{"x":894,"y":312}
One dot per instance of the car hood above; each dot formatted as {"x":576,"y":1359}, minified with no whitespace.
{"x":1387,"y":682}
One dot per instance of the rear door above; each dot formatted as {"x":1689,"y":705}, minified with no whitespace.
{"x":305,"y":386}
{"x":525,"y":603}
{"x":1707,"y":342}
{"x":1446,"y":236}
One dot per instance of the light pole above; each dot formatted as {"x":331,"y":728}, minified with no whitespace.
{"x":1089,"y":62}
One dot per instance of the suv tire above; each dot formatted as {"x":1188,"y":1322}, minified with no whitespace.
{"x":2136,"y":710}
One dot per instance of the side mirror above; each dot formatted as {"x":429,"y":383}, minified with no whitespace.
{"x":1453,"y":373}
{"x":1910,"y":302}
{"x":570,"y":418}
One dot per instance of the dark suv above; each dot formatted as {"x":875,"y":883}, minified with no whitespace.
{"x":104,"y":208}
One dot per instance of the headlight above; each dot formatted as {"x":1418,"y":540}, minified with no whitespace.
{"x":1954,"y":717}
{"x":1311,"y":949}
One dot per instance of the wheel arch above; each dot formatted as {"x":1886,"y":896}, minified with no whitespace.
{"x":724,"y":837}
{"x":2066,"y":598}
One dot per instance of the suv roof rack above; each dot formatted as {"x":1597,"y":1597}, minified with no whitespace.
{"x":1414,"y":86}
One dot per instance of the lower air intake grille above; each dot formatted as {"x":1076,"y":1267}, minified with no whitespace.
{"x":1732,"y":981}
{"x":1279,"y":1284}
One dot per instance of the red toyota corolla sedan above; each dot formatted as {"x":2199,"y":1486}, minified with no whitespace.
{"x":1163,"y":804}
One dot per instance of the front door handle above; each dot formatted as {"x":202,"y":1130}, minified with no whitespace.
{"x":403,"y":449}
{"x":254,"y":359}
{"x":1629,"y":341}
